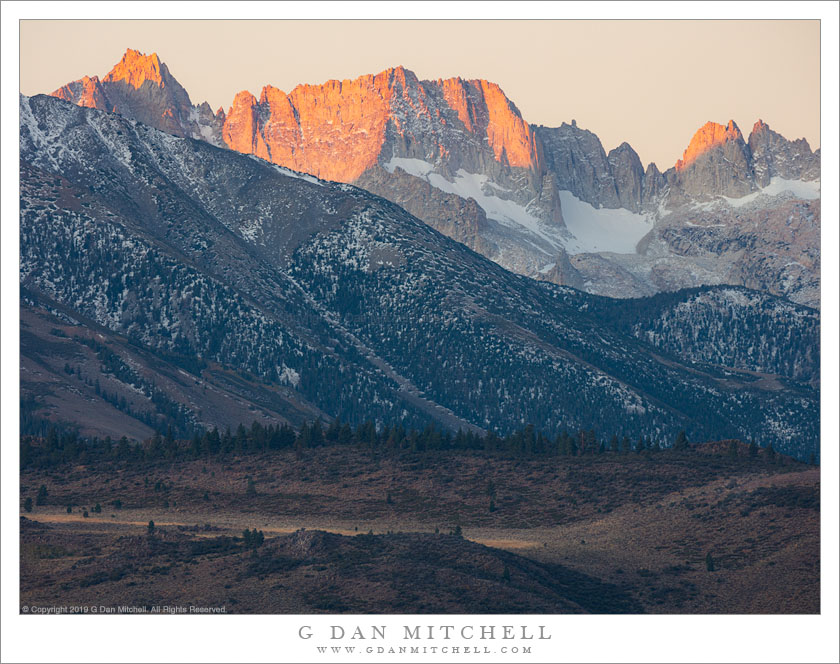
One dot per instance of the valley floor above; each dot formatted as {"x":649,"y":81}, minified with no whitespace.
{"x":604,"y":534}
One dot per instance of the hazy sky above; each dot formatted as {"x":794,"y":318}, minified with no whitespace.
{"x":650,"y":83}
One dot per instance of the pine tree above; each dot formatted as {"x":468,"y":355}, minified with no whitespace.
{"x":681,"y":443}
{"x":345,"y":435}
{"x":41,"y":498}
{"x":27,"y":504}
{"x":710,"y":562}
{"x":151,"y":528}
{"x":626,"y":445}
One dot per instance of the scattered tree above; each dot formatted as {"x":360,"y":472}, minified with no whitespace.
{"x":27,"y":504}
{"x":252,"y":538}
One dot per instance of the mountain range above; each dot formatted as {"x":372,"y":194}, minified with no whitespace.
{"x":545,"y":202}
{"x":170,"y":282}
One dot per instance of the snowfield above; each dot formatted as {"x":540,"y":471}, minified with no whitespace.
{"x":590,"y":230}
{"x":595,"y":230}
{"x":805,"y":189}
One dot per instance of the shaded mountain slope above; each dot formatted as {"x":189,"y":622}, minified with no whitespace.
{"x":358,"y":307}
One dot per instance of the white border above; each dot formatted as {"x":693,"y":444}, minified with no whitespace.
{"x":273,"y":638}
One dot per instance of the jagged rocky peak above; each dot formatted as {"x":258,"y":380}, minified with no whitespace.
{"x":709,"y":136}
{"x":580,"y":163}
{"x":582,"y":166}
{"x":654,"y":183}
{"x":141,"y":87}
{"x":629,"y":175}
{"x":136,"y":68}
{"x":87,"y":92}
{"x":716,"y":163}
{"x":775,"y":156}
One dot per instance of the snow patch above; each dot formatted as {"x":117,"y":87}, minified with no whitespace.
{"x":605,"y":229}
{"x":805,"y":189}
{"x":416,"y":167}
{"x":289,"y":173}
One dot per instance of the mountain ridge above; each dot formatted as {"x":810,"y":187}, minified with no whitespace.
{"x":458,"y":154}
{"x":316,"y":297}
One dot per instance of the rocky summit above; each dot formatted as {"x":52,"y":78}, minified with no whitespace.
{"x":547,"y":202}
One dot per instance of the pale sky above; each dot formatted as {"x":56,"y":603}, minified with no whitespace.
{"x":650,"y":83}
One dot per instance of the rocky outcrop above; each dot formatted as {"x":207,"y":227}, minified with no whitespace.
{"x":715,"y":163}
{"x":461,"y":219}
{"x":629,"y":176}
{"x":775,"y":156}
{"x":87,"y":92}
{"x":579,"y":162}
{"x":653,"y":185}
{"x":563,"y":273}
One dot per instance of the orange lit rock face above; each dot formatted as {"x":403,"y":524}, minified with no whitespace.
{"x":85,"y":92}
{"x":136,"y":68}
{"x":710,"y":135}
{"x":338,"y":130}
